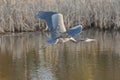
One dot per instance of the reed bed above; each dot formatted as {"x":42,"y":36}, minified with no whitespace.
{"x":19,"y":15}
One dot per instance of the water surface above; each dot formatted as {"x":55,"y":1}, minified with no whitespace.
{"x":26,"y":56}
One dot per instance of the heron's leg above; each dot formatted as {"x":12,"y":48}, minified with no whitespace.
{"x":46,"y":28}
{"x":57,"y":40}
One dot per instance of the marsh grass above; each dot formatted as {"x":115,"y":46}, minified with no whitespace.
{"x":19,"y":15}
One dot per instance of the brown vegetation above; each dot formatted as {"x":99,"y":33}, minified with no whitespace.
{"x":19,"y":15}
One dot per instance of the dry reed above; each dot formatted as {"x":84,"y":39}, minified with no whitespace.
{"x":19,"y":15}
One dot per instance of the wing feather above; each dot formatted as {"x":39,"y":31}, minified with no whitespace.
{"x":74,"y":31}
{"x":58,"y":24}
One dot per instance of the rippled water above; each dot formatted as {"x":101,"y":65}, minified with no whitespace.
{"x":26,"y":56}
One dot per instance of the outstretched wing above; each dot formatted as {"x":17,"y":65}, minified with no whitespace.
{"x":47,"y":16}
{"x":58,"y":24}
{"x":72,"y":32}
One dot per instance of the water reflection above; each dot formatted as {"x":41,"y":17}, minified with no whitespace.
{"x":26,"y":56}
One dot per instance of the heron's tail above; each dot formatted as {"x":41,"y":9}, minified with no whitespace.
{"x":51,"y":40}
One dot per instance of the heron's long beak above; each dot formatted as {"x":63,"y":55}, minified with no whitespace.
{"x":88,"y":40}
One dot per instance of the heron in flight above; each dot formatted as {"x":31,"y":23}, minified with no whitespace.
{"x":57,"y":28}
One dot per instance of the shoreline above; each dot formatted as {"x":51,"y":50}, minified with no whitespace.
{"x":20,"y":15}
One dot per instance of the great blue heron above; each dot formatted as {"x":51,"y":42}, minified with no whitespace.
{"x":57,"y":28}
